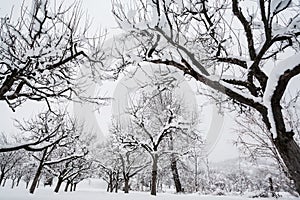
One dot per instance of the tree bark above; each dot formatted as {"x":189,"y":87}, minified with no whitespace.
{"x":154,"y":174}
{"x":36,"y":178}
{"x":290,"y":154}
{"x":175,"y":174}
{"x":126,"y":184}
{"x":59,"y":182}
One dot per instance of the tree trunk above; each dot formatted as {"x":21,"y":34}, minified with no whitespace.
{"x":4,"y":181}
{"x":59,"y":182}
{"x":154,"y":174}
{"x":117,"y":182}
{"x":111,"y":187}
{"x":18,"y":180}
{"x":38,"y":173}
{"x":27,"y":184}
{"x":74,"y":188}
{"x":290,"y":154}
{"x":67,"y":185}
{"x":13,"y":183}
{"x":36,"y":178}
{"x":126,"y":184}
{"x":1,"y":177}
{"x":175,"y":174}
{"x":174,"y":167}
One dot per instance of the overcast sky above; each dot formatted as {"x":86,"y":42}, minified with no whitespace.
{"x":100,"y":12}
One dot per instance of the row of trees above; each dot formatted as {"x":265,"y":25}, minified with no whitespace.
{"x":245,"y":52}
{"x":241,"y":51}
{"x":158,"y":146}
{"x":61,"y":151}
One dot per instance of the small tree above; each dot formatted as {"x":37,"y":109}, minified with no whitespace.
{"x":9,"y":161}
{"x":156,"y":116}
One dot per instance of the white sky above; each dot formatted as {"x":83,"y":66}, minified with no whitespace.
{"x":100,"y":12}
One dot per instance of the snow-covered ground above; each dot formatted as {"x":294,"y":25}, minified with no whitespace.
{"x":94,"y":190}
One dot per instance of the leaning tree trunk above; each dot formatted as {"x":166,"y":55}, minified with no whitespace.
{"x":154,"y":174}
{"x":4,"y":181}
{"x":36,"y":178}
{"x":175,"y":174}
{"x":290,"y":154}
{"x":1,"y":177}
{"x":38,"y":173}
{"x":59,"y":182}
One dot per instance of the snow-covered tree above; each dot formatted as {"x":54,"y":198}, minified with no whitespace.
{"x":246,"y":50}
{"x":157,"y":115}
{"x":10,"y":162}
{"x":42,"y":51}
{"x":107,"y":158}
{"x":132,"y":160}
{"x":64,"y":134}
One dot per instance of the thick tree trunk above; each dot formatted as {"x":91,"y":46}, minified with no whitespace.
{"x":154,"y":174}
{"x":126,"y":184}
{"x":290,"y":154}
{"x":175,"y":174}
{"x":35,"y":181}
{"x":59,"y":182}
{"x":36,"y":178}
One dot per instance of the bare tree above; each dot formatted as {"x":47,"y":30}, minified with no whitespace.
{"x":156,"y":115}
{"x":132,"y":160}
{"x":42,"y":51}
{"x":64,"y":133}
{"x":109,"y":164}
{"x":226,"y":45}
{"x":9,"y":160}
